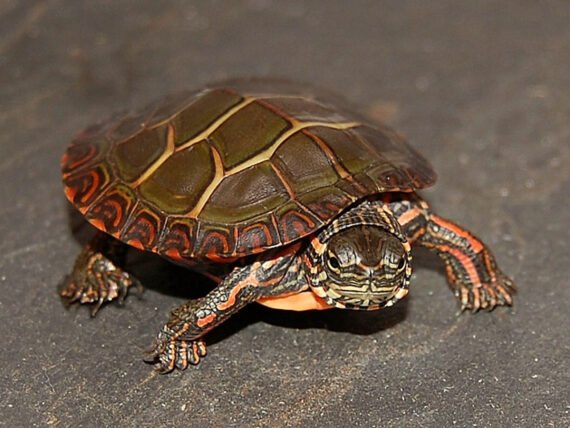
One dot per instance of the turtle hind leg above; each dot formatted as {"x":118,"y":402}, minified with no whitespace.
{"x":471,"y":269}
{"x":97,"y":276}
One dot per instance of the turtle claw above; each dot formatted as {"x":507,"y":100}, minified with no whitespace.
{"x":97,"y":280}
{"x":486,"y":296}
{"x":169,"y":353}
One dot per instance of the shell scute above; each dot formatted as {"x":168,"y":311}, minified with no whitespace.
{"x":83,"y":187}
{"x":177,"y":184}
{"x":233,"y":170}
{"x":245,"y":195}
{"x":260,"y":233}
{"x":314,"y":172}
{"x":202,"y":113}
{"x":176,"y":240}
{"x":215,"y":242}
{"x":248,"y":132}
{"x":111,"y":210}
{"x":143,"y":228}
{"x":295,"y":220}
{"x":133,"y":156}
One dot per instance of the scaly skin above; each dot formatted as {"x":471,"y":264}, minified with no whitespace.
{"x":179,"y":342}
{"x":471,"y":269}
{"x":97,"y":276}
{"x":296,"y":270}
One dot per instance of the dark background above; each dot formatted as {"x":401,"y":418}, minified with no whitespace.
{"x":481,"y":88}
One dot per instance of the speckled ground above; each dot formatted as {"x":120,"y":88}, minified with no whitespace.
{"x":481,"y":88}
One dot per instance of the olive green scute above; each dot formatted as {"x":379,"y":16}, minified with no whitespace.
{"x":351,"y":153}
{"x":201,"y":113}
{"x":133,"y":156}
{"x":325,"y":202}
{"x":79,"y":155}
{"x":247,"y":133}
{"x":128,"y":127}
{"x":169,"y":106}
{"x":176,"y":186}
{"x":410,"y":167}
{"x":313,"y":171}
{"x":242,"y":196}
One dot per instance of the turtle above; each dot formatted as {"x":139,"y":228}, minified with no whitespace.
{"x":278,"y":192}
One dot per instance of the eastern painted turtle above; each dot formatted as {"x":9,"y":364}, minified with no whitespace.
{"x":284,"y":198}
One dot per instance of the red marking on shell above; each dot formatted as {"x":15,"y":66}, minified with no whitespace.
{"x":98,"y":224}
{"x":328,"y":206}
{"x":93,"y":188}
{"x":70,"y":193}
{"x":172,"y":253}
{"x":294,"y":224}
{"x":77,"y":155}
{"x":142,"y":229}
{"x":257,"y":236}
{"x":111,"y":210}
{"x":82,"y":188}
{"x":215,"y":244}
{"x":136,"y":243}
{"x":176,"y":242}
{"x":119,"y":212}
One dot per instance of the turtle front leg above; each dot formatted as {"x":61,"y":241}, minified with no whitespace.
{"x":472,"y":271}
{"x":97,"y":277}
{"x":180,"y":342}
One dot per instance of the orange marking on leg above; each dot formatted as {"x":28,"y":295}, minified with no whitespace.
{"x":172,"y":349}
{"x":206,"y":320}
{"x":233,"y":294}
{"x":180,"y":332}
{"x":409,"y":216}
{"x":473,"y":241}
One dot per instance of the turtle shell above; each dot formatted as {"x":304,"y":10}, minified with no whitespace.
{"x":232,"y":170}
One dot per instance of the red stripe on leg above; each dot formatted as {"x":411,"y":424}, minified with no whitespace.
{"x":465,"y":261}
{"x":473,"y":241}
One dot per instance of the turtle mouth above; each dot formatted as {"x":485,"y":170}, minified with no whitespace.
{"x":364,"y":301}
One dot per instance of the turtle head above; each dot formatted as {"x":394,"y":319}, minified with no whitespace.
{"x":363,"y":267}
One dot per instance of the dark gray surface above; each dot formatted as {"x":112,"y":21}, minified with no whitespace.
{"x":481,"y":88}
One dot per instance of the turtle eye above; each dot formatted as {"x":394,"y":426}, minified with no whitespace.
{"x":333,"y":263}
{"x":402,"y":263}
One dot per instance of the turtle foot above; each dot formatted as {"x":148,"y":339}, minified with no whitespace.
{"x":96,"y":280}
{"x":486,"y":296}
{"x":169,"y":353}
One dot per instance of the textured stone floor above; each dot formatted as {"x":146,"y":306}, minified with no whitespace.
{"x":481,"y":88}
